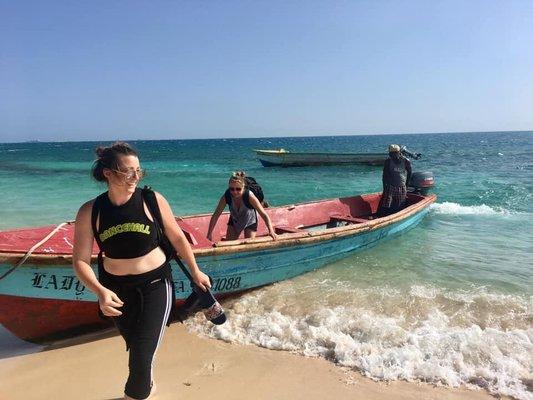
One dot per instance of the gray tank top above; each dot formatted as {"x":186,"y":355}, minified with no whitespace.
{"x":242,"y":217}
{"x":398,"y":173}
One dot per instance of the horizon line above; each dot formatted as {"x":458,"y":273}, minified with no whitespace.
{"x":263,"y":137}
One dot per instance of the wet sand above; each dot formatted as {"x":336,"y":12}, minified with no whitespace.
{"x":191,"y":367}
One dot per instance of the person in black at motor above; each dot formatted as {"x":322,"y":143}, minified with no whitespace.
{"x":396,"y":176}
{"x":134,"y":284}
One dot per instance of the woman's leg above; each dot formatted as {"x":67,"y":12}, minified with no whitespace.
{"x":231,"y":234}
{"x":146,"y":336}
{"x":249,"y":233}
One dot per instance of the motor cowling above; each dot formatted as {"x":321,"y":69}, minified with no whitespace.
{"x":421,"y":182}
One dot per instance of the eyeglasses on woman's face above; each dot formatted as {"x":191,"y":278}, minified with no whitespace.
{"x":131,"y":174}
{"x":235,"y":189}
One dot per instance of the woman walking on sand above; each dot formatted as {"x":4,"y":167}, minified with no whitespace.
{"x":134,"y":284}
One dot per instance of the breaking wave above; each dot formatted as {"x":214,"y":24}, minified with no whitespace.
{"x":457,"y":209}
{"x":428,"y":334}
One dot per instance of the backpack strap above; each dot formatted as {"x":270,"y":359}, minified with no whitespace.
{"x":94,"y":216}
{"x":102,"y":277}
{"x":148,"y":195}
{"x":151,"y":201}
{"x":227,"y":197}
{"x":246,"y":198}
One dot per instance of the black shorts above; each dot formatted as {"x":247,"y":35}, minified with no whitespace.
{"x":252,"y":227}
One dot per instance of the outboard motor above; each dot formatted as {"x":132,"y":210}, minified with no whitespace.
{"x":421,"y":182}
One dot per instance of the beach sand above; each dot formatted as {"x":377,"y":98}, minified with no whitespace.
{"x":192,"y":367}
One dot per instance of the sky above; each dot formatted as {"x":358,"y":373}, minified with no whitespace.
{"x":102,"y":70}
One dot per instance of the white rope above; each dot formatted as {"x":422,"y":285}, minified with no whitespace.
{"x":32,"y":249}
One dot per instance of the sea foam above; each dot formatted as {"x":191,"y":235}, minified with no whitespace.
{"x":437,"y":346}
{"x":458,"y":209}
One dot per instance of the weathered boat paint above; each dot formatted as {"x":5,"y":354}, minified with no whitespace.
{"x":43,"y":297}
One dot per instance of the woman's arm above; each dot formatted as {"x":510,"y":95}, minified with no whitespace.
{"x":255,"y":203}
{"x":180,"y":242}
{"x":214,"y":218}
{"x":81,"y":261}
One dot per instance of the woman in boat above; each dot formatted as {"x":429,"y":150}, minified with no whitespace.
{"x":396,"y":176}
{"x":134,"y":284}
{"x":244,"y":207}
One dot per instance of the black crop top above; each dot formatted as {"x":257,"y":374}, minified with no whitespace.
{"x":125,"y":231}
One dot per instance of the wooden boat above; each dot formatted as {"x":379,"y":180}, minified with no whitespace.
{"x":42,"y":297}
{"x":285,"y":158}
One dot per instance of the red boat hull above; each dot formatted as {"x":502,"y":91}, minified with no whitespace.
{"x":29,"y":318}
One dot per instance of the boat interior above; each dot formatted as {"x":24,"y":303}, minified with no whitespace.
{"x":289,"y":221}
{"x":293,"y":219}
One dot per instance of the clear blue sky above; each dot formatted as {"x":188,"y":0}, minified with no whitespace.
{"x":95,"y":70}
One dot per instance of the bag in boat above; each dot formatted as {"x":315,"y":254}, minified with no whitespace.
{"x":198,"y":300}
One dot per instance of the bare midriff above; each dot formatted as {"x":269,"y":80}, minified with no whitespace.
{"x":134,"y":266}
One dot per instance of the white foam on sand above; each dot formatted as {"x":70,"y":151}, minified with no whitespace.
{"x":437,"y":346}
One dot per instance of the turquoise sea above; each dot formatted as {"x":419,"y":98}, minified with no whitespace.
{"x":449,"y":302}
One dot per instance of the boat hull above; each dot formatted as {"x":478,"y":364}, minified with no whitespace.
{"x":288,"y":159}
{"x":43,"y":301}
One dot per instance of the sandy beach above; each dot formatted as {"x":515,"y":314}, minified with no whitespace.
{"x":192,"y":367}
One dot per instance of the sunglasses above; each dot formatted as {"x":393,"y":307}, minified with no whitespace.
{"x":235,"y":189}
{"x":132,"y":174}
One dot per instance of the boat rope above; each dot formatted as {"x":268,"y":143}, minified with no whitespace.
{"x":35,"y":246}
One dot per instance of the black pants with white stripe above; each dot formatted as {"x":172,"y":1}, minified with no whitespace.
{"x":148,"y":300}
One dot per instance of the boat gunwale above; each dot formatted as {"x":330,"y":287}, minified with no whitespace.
{"x":256,"y":244}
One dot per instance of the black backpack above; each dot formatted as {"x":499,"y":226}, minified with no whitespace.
{"x":252,"y":186}
{"x":255,"y":188}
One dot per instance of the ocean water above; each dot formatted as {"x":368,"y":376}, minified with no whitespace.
{"x":449,"y":302}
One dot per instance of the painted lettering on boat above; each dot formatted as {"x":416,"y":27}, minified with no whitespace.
{"x":179,"y":286}
{"x":53,"y":282}
{"x":219,"y":284}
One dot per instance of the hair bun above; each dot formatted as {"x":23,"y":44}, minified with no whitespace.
{"x":108,"y":157}
{"x":238,"y":174}
{"x":100,"y":151}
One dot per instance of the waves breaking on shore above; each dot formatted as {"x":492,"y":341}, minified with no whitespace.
{"x":448,"y":208}
{"x":454,"y":338}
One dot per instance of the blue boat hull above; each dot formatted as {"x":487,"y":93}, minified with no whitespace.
{"x":269,"y":158}
{"x":249,"y":270}
{"x":231,"y":273}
